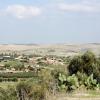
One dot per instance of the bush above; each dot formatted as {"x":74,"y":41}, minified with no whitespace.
{"x":31,"y":91}
{"x":39,"y":92}
{"x":1,"y":79}
{"x":87,"y":69}
{"x":47,"y":79}
{"x":18,"y":75}
{"x":91,"y":83}
{"x":88,"y":57}
{"x":86,"y":64}
{"x":24,"y":91}
{"x":76,"y":64}
{"x":7,"y":65}
{"x":82,"y":77}
{"x":8,"y":94}
{"x":62,"y":78}
{"x":67,"y":83}
{"x":72,"y":82}
{"x":14,"y":64}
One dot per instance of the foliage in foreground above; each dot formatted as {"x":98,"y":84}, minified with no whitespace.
{"x":86,"y":64}
{"x":83,"y":70}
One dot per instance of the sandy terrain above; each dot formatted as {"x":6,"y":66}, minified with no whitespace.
{"x":76,"y":97}
{"x":54,"y":49}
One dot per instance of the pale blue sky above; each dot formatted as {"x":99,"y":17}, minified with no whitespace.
{"x":49,"y":21}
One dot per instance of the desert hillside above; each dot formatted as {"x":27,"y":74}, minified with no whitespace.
{"x":51,"y":49}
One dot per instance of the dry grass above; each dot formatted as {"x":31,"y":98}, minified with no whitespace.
{"x":75,"y":97}
{"x":54,"y":49}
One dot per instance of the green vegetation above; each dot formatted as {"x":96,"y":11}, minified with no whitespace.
{"x":83,"y":70}
{"x":17,"y":75}
{"x":49,"y":75}
{"x":14,"y":64}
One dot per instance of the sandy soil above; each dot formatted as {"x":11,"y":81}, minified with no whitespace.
{"x":53,"y":49}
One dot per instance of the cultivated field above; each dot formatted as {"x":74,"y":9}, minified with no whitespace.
{"x":50,"y":72}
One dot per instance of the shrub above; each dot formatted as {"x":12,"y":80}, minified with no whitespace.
{"x":72,"y":82}
{"x":91,"y":83}
{"x":24,"y":90}
{"x":18,"y":75}
{"x":47,"y":79}
{"x":87,"y":63}
{"x":31,"y":91}
{"x":1,"y":79}
{"x":62,"y":78}
{"x":8,"y":94}
{"x":39,"y":92}
{"x":67,"y":83}
{"x":87,"y":69}
{"x":76,"y":64}
{"x":82,"y":77}
{"x":7,"y":65}
{"x":88,"y":57}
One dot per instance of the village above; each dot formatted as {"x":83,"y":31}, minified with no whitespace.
{"x":24,"y":63}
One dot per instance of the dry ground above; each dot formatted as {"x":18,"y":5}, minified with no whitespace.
{"x":66,"y":97}
{"x":51,"y":49}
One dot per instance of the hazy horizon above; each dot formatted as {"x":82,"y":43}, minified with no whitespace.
{"x":47,"y":43}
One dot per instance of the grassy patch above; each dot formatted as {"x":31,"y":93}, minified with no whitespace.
{"x":5,"y":85}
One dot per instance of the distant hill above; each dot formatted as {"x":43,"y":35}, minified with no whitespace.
{"x":51,"y":49}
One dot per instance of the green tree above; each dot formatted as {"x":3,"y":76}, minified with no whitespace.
{"x":76,"y":64}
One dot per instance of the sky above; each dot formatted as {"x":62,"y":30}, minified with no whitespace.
{"x":49,"y":21}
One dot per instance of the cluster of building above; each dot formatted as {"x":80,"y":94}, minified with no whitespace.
{"x":30,"y":64}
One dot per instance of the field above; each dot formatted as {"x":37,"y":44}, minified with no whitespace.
{"x":45,"y":72}
{"x":78,"y":95}
{"x":7,"y":84}
{"x":54,"y":49}
{"x":64,"y":97}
